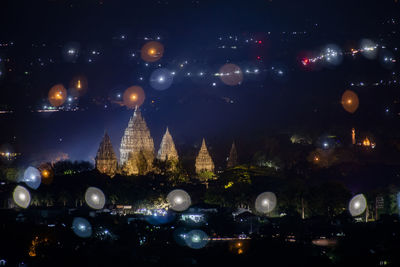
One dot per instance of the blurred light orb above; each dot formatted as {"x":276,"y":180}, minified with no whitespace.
{"x":81,"y":227}
{"x":57,"y":95}
{"x":357,"y":205}
{"x":231,"y":74}
{"x":350,"y":101}
{"x":333,"y":55}
{"x":196,"y":239}
{"x":266,"y":202}
{"x":179,"y":200}
{"x":387,"y":59}
{"x":369,"y":49}
{"x":133,"y":97}
{"x":71,"y":52}
{"x":78,"y":86}
{"x":161,"y":79}
{"x":21,"y":196}
{"x":152,"y":51}
{"x":95,"y":198}
{"x":32,"y":177}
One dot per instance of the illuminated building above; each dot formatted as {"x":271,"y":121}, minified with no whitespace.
{"x":137,"y":146}
{"x":204,"y":162}
{"x":167,"y":151}
{"x":106,"y":160}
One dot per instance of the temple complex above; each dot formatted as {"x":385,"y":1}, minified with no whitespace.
{"x":204,"y":162}
{"x":106,"y":160}
{"x":137,"y":146}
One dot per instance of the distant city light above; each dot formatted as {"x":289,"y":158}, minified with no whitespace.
{"x":81,"y":227}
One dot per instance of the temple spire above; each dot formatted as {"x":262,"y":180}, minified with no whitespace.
{"x":232,"y":159}
{"x":106,"y":160}
{"x":167,"y":149}
{"x":204,"y":162}
{"x":137,"y":146}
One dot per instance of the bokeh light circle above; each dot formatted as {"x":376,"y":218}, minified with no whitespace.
{"x":161,"y":79}
{"x":71,"y":52}
{"x":133,"y":97}
{"x":357,"y":205}
{"x":21,"y":196}
{"x":32,"y":177}
{"x":266,"y":202}
{"x":152,"y":51}
{"x":82,"y":227}
{"x":78,"y":86}
{"x":196,"y":239}
{"x":179,"y":200}
{"x":47,"y":173}
{"x":387,"y":59}
{"x":333,"y":55}
{"x":57,"y":95}
{"x":350,"y":101}
{"x":369,"y":48}
{"x":231,"y":74}
{"x":95,"y":198}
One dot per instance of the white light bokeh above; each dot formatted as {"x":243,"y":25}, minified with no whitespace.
{"x":196,"y":239}
{"x":266,"y":202}
{"x":369,"y":49}
{"x":82,"y":227}
{"x":32,"y":177}
{"x":357,"y":205}
{"x":95,"y":198}
{"x":161,"y":79}
{"x":179,"y":200}
{"x":21,"y":196}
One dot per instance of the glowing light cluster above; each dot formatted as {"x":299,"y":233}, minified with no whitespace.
{"x":133,"y":97}
{"x":196,"y":239}
{"x":152,"y":51}
{"x":21,"y":196}
{"x":32,"y":177}
{"x":266,"y":202}
{"x":82,"y":227}
{"x":357,"y":205}
{"x":161,"y":79}
{"x":179,"y":200}
{"x":350,"y":101}
{"x":231,"y":74}
{"x":57,"y":95}
{"x":95,"y":198}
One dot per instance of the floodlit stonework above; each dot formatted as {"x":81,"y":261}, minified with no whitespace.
{"x":106,"y":160}
{"x":204,"y":162}
{"x":167,"y":151}
{"x":137,"y":146}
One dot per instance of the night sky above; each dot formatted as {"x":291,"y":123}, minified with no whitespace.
{"x":267,"y":39}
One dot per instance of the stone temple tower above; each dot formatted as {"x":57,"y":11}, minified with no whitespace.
{"x":106,"y":160}
{"x":167,"y":149}
{"x":137,"y":146}
{"x":232,"y":159}
{"x":204,"y":162}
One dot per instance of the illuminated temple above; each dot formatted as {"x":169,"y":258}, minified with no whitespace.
{"x":106,"y":160}
{"x":204,"y":162}
{"x":137,"y":151}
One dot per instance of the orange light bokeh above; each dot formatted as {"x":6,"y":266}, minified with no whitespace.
{"x":231,"y":74}
{"x":350,"y":101}
{"x":152,"y":51}
{"x":57,"y":95}
{"x":133,"y":97}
